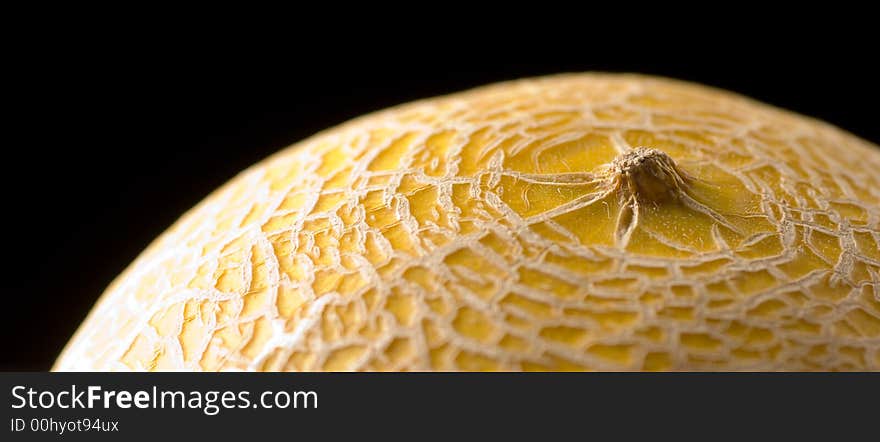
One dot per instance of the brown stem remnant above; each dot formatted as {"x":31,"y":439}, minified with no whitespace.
{"x":649,"y":175}
{"x":643,"y":176}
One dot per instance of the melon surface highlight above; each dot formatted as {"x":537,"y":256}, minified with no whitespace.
{"x":572,"y":222}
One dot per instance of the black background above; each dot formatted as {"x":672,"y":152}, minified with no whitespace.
{"x":111,"y":138}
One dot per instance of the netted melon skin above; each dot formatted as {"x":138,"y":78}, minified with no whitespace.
{"x":473,"y":232}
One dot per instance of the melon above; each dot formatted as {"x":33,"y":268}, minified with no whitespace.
{"x":572,"y":222}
